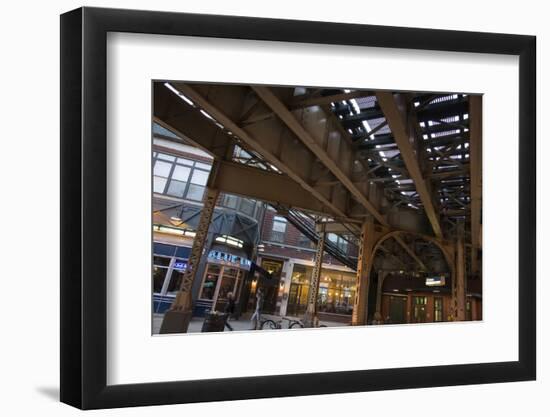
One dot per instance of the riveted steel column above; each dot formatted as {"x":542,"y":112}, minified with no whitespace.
{"x":381,"y":277}
{"x":364,"y":262}
{"x":310,"y":318}
{"x":460,"y":277}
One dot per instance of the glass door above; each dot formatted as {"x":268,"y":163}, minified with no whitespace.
{"x":210,"y":283}
{"x":419,"y":309}
{"x":230,"y":279}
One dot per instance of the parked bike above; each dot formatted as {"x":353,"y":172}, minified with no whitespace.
{"x":274,"y":325}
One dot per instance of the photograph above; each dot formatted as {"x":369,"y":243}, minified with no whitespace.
{"x":245,"y":208}
{"x":297,"y":207}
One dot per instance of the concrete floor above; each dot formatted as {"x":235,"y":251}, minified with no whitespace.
{"x":238,"y":325}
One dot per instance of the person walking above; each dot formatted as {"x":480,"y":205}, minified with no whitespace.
{"x":256,"y":317}
{"x":229,"y":309}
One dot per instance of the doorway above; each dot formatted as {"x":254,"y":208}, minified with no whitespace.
{"x":398,"y":308}
{"x":419,"y":309}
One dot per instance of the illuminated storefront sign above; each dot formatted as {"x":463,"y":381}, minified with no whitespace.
{"x":224,"y":258}
{"x":180,"y":265}
{"x":435,"y":281}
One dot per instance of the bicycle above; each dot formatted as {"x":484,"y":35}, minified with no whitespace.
{"x":275,"y":325}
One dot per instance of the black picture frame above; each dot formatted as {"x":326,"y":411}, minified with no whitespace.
{"x":84,"y":207}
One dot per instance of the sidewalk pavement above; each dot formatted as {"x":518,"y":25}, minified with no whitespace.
{"x":195,"y":325}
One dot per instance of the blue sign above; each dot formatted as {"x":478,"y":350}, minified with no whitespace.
{"x":229,"y":259}
{"x":180,"y":265}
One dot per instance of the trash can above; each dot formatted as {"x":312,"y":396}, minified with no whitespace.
{"x":214,"y":321}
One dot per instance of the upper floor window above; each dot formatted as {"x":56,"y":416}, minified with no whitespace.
{"x":248,"y":206}
{"x":179,"y":177}
{"x":305,"y":241}
{"x":229,"y":201}
{"x":244,"y":205}
{"x":340,"y":242}
{"x":278,"y":229}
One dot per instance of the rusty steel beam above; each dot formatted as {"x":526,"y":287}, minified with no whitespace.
{"x":280,"y":109}
{"x":187,"y":122}
{"x":306,"y":101}
{"x":262,"y":185}
{"x":395,"y":112}
{"x":410,"y":252}
{"x":328,"y":206}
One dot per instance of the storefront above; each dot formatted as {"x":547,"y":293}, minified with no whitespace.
{"x":224,"y":273}
{"x":335,"y":296}
{"x":408,"y":299}
{"x":267,"y":276}
{"x":169,"y":264}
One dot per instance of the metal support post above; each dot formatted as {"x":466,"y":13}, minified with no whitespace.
{"x":460,"y":278}
{"x":381,"y":277}
{"x":364,"y":263}
{"x":310,"y":318}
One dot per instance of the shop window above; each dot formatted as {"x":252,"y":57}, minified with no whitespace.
{"x":160,"y":269}
{"x":438,"y":309}
{"x":419,"y":309}
{"x":175,"y":281}
{"x":299,"y":290}
{"x":336,"y":292}
{"x":177,"y":275}
{"x":420,"y":300}
{"x":301,"y":274}
{"x":161,"y":261}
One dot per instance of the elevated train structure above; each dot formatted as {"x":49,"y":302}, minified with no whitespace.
{"x":396,"y":173}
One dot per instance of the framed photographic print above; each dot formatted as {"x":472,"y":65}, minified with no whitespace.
{"x":258,"y":208}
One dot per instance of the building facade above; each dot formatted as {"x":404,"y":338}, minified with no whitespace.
{"x":293,"y":253}
{"x":180,"y":173}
